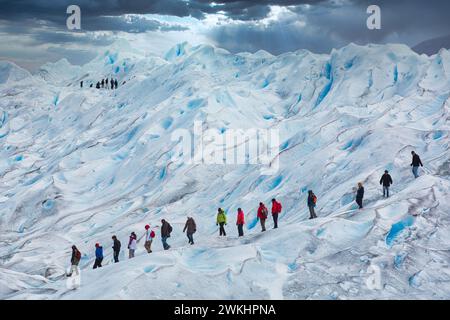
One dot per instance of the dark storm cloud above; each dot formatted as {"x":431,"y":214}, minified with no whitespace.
{"x":334,"y":24}
{"x":55,"y":10}
{"x":341,"y":18}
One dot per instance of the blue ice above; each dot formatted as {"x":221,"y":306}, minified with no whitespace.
{"x":284,"y":145}
{"x":48,"y":204}
{"x":398,"y":260}
{"x":252,"y":223}
{"x":112,"y":57}
{"x":395,"y":74}
{"x":413,"y":280}
{"x":349,"y":63}
{"x":292,"y":266}
{"x":56,"y":99}
{"x":276,"y":182}
{"x":3,"y":119}
{"x":354,"y":143}
{"x":346,"y":199}
{"x":437,"y":135}
{"x":324,"y":92}
{"x":131,"y":134}
{"x":196,"y":103}
{"x":32,"y":180}
{"x":167,"y":122}
{"x":149,"y":269}
{"x":162,"y":174}
{"x":397,"y":228}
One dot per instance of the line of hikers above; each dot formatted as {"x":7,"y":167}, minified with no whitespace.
{"x":104,"y":83}
{"x":386,"y":180}
{"x":190,"y":226}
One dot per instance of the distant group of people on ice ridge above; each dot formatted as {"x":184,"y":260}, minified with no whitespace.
{"x":104,"y":83}
{"x":221,"y":221}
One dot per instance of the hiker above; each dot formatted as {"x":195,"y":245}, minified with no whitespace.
{"x":190,"y":228}
{"x":81,"y":84}
{"x":149,"y":235}
{"x":312,"y":200}
{"x":98,"y":85}
{"x":116,"y":249}
{"x":103,"y":83}
{"x":74,"y":261}
{"x":132,"y":243}
{"x":115,"y":83}
{"x":98,"y":256}
{"x":112,"y":83}
{"x":262,"y":216}
{"x":106,"y":83}
{"x":416,"y":162}
{"x":166,"y":229}
{"x":386,"y":181}
{"x":276,"y":210}
{"x":240,"y":222}
{"x":221,"y":221}
{"x":360,"y":195}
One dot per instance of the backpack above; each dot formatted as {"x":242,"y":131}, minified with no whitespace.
{"x":314,"y":198}
{"x":170,"y":229}
{"x":78,"y":255}
{"x":152,"y":234}
{"x":264,"y":213}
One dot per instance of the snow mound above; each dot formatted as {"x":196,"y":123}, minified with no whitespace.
{"x":10,"y":72}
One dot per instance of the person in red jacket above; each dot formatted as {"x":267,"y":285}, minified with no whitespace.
{"x":262,"y":216}
{"x":240,"y":222}
{"x":276,"y":210}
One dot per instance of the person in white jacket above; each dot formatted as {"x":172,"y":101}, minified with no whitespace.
{"x":132,"y":245}
{"x":149,"y":235}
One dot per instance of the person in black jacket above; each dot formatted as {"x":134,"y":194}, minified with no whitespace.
{"x":166,"y":229}
{"x":116,"y":248}
{"x":416,"y":162}
{"x":360,"y":195}
{"x":386,"y":181}
{"x":191,"y":228}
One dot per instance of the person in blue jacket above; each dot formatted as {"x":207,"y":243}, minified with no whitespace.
{"x":98,"y":256}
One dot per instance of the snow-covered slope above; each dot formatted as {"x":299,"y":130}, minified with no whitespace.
{"x":80,"y":165}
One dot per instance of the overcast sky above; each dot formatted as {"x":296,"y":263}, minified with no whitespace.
{"x":33,"y":32}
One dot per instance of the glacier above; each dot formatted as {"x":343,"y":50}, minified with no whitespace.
{"x":79,"y":165}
